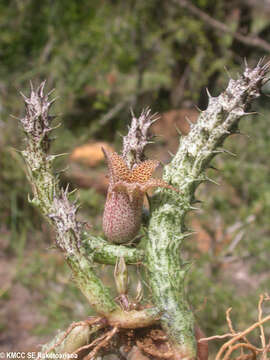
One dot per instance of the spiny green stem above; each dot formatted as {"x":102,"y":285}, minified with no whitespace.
{"x":56,"y":207}
{"x":166,"y":226}
{"x":107,"y":253}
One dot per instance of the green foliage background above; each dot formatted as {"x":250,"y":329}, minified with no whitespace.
{"x":97,"y":55}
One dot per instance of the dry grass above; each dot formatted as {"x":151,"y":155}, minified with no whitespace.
{"x":239,"y":340}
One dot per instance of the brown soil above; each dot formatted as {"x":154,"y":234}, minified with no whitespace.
{"x":19,"y":313}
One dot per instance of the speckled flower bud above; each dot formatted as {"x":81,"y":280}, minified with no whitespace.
{"x":123,"y":209}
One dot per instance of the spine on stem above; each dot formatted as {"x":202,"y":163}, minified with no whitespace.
{"x":167,"y":223}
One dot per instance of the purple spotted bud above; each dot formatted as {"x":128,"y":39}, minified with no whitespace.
{"x":123,"y":209}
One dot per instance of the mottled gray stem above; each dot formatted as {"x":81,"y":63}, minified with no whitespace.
{"x":186,"y":171}
{"x":107,"y":253}
{"x":54,"y":203}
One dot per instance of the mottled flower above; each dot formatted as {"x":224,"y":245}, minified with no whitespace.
{"x":123,"y":209}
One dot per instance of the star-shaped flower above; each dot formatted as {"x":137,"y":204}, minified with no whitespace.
{"x":123,"y":209}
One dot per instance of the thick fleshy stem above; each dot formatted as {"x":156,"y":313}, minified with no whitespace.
{"x":106,"y":253}
{"x":186,"y":171}
{"x":57,"y":208}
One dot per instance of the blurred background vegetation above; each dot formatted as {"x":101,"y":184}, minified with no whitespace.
{"x":103,"y":58}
